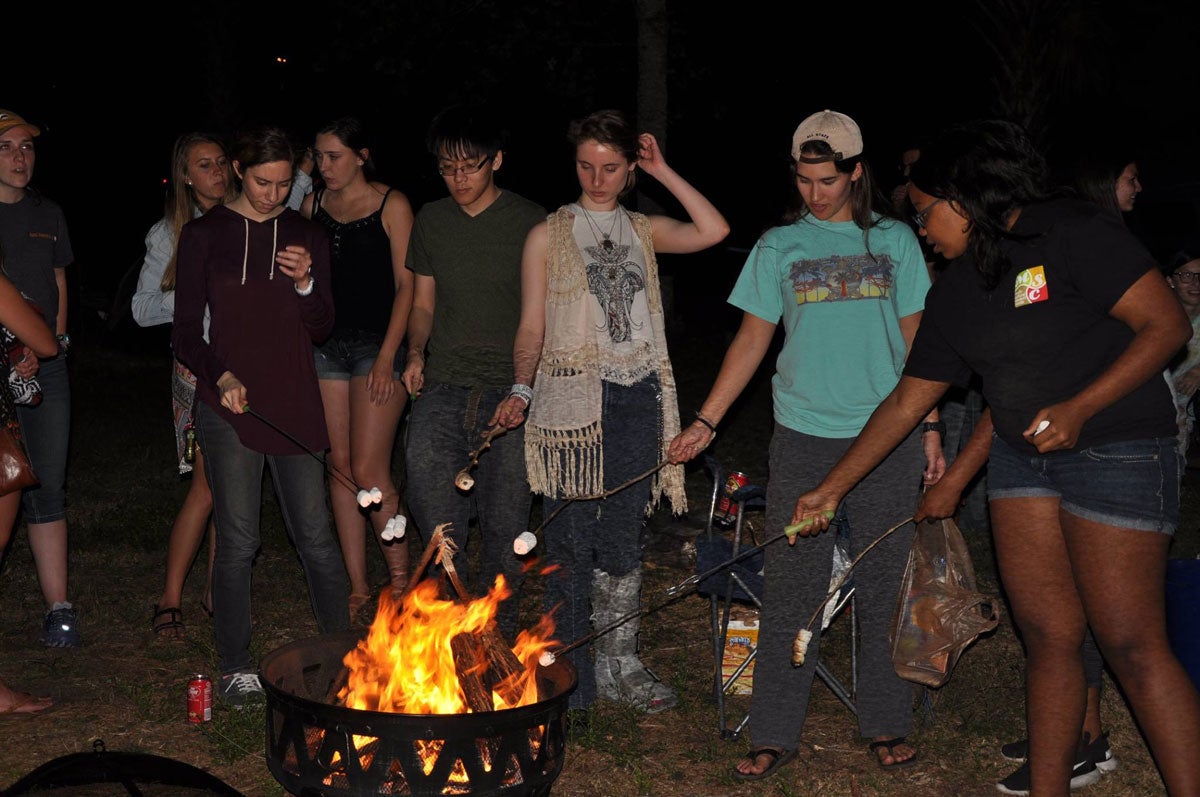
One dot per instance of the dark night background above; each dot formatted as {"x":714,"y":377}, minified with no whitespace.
{"x":741,"y":75}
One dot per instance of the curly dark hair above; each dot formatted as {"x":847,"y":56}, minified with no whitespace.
{"x":989,"y":169}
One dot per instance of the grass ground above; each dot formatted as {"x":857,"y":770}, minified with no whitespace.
{"x":127,"y":689}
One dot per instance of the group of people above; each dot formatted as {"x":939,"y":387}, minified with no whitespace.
{"x":304,"y":322}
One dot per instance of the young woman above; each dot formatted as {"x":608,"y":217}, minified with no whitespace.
{"x":200,"y":180}
{"x":19,"y":317}
{"x":262,"y":270}
{"x":1070,"y":324}
{"x":359,"y":365}
{"x":37,"y":247}
{"x":592,"y":368}
{"x":848,"y":285}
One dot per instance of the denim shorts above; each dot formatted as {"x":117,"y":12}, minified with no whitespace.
{"x":349,"y":353}
{"x":1132,"y":484}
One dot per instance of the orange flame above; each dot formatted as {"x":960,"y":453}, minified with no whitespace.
{"x":406,"y":664}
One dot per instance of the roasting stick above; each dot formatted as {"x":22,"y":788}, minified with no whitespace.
{"x":365,"y":497}
{"x":463,"y":479}
{"x":691,"y":582}
{"x":804,"y":635}
{"x":527,"y":540}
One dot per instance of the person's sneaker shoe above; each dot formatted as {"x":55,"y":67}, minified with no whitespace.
{"x":240,"y":689}
{"x":60,"y":627}
{"x":1084,"y":773}
{"x":1016,"y":751}
{"x":1099,"y":751}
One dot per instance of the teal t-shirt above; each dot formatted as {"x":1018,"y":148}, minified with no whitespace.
{"x":841,"y":308}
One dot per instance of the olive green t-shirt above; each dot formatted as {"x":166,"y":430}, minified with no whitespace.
{"x":475,"y":262}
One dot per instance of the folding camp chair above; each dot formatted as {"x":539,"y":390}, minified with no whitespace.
{"x":742,"y":583}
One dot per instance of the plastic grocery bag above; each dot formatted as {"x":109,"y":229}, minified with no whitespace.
{"x":939,"y":613}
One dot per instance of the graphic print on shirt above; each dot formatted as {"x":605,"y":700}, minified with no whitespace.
{"x":614,"y":280}
{"x":840,"y":278}
{"x":1031,"y":287}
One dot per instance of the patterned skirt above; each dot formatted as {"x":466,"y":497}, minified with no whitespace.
{"x":183,"y":398}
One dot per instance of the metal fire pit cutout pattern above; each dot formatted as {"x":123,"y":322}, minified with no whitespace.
{"x":315,"y":748}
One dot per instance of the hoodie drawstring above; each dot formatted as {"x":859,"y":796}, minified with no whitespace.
{"x":246,"y":247}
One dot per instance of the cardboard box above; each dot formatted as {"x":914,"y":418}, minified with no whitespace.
{"x":740,"y":641}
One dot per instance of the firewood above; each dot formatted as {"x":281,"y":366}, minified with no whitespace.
{"x":502,"y":663}
{"x":470,"y":665}
{"x":339,"y":681}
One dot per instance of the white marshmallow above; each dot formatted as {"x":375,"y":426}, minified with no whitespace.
{"x":463,"y":481}
{"x":376,"y":495}
{"x":394,"y":529}
{"x":546,"y":659}
{"x":364,"y":499}
{"x":524,"y":543}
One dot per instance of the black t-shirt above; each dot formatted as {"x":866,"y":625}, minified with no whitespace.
{"x":1044,"y":333}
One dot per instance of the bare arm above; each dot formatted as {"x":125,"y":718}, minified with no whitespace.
{"x":420,"y":324}
{"x":60,"y":279}
{"x":1160,"y":327}
{"x":942,"y":499}
{"x":527,"y":345}
{"x":891,"y":421}
{"x":397,"y":223}
{"x":706,"y":226}
{"x":25,"y":323}
{"x":742,"y":359}
{"x":931,"y":442}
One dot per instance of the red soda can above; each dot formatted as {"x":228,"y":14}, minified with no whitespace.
{"x":727,"y":509}
{"x":199,"y":698}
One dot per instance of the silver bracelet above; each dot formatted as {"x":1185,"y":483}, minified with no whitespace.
{"x":523,"y":392}
{"x":311,"y":282}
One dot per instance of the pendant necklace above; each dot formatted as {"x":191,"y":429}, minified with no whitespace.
{"x":606,"y":244}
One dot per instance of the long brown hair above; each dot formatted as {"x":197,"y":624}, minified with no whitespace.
{"x":181,"y":205}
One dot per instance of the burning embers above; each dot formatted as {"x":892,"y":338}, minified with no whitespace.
{"x":433,"y":701}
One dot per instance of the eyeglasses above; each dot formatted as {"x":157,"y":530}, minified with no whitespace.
{"x":919,"y":219}
{"x":447,"y":170}
{"x":1186,"y":276}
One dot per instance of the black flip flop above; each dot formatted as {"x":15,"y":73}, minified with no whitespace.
{"x":167,"y":623}
{"x":778,"y":759}
{"x":889,"y":744}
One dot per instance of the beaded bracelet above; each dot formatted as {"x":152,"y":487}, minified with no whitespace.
{"x":523,"y":392}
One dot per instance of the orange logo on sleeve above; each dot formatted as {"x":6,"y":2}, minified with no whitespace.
{"x":1031,"y":287}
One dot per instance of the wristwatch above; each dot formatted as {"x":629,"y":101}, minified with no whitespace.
{"x":934,"y":426}
{"x":64,"y":341}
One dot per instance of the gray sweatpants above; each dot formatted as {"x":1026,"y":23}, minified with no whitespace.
{"x":797,"y":579}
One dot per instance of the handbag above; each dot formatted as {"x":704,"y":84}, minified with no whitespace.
{"x":939,"y":613}
{"x":16,"y":471}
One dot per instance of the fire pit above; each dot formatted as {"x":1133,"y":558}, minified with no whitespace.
{"x":317,"y":748}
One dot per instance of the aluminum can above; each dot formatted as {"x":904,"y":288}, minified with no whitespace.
{"x":727,"y":509}
{"x":199,"y":698}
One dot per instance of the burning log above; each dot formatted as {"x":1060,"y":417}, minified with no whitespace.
{"x":504,"y":668}
{"x":470,"y":664}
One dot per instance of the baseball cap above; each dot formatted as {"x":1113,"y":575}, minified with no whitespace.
{"x":9,"y":120}
{"x":837,"y":130}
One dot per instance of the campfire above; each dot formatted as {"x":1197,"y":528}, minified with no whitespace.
{"x":433,"y":701}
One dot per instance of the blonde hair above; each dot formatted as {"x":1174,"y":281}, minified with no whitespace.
{"x":181,"y":205}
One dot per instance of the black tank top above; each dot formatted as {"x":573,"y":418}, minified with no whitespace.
{"x":361,"y":261}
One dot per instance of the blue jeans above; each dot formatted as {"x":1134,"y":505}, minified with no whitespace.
{"x":602,"y":534}
{"x":46,"y":429}
{"x":448,"y":422}
{"x":235,"y":477}
{"x":1133,"y":484}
